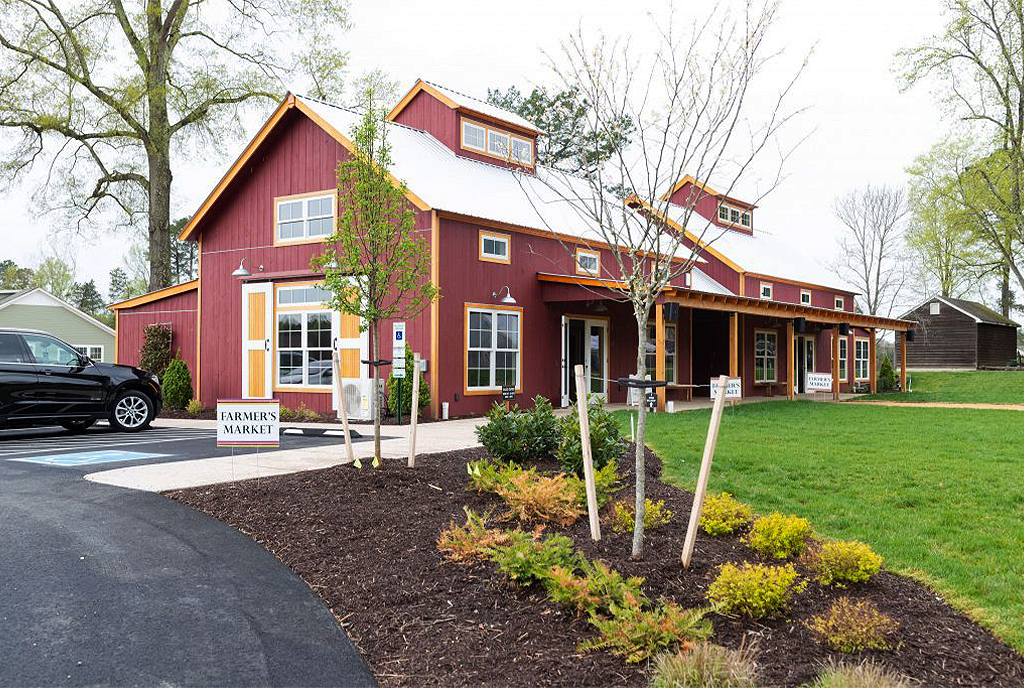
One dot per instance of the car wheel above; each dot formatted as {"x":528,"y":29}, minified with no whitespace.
{"x":133,"y":411}
{"x":78,"y":425}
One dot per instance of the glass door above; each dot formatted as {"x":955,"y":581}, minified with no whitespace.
{"x":808,"y":359}
{"x":597,"y":358}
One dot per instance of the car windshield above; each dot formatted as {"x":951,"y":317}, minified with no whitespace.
{"x":48,"y":351}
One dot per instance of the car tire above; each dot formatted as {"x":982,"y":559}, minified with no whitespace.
{"x":132,"y":411}
{"x":78,"y":425}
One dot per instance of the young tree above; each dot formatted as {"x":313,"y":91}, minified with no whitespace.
{"x":376,"y":264}
{"x":86,"y":298}
{"x":871,"y":246}
{"x":567,"y":143}
{"x":977,"y":62}
{"x":14,"y":277}
{"x":118,"y":289}
{"x":688,"y":101}
{"x":114,"y":86}
{"x":56,"y":276}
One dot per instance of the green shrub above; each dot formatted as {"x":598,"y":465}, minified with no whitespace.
{"x":886,"y":375}
{"x":850,"y":626}
{"x":155,"y":354}
{"x":754,"y":590}
{"x":637,"y":634}
{"x":194,"y":407}
{"x":706,"y":665}
{"x":597,"y":588}
{"x":656,"y":514}
{"x":606,"y":484}
{"x":866,"y":674}
{"x":722,"y":514}
{"x":300,"y":414}
{"x":606,"y":440}
{"x":486,"y":476}
{"x":471,"y":541}
{"x":405,"y":383}
{"x":520,"y":436}
{"x":839,"y":563}
{"x":779,"y":536}
{"x":177,"y":384}
{"x":525,"y":560}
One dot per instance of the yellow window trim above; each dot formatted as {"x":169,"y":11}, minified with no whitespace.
{"x":487,"y":234}
{"x":467,"y":307}
{"x":487,"y":131}
{"x":723,"y":204}
{"x":587,"y":252}
{"x":295,"y":197}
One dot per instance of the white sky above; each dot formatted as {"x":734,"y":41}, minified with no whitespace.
{"x":864,"y":129}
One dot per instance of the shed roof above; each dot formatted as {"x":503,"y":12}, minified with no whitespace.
{"x":458,"y":100}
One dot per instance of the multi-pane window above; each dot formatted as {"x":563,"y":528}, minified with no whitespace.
{"x":494,"y":247}
{"x":588,"y":262}
{"x":651,"y":360}
{"x":840,"y":303}
{"x":522,"y":151}
{"x":766,"y":290}
{"x":805,"y":297}
{"x":745,"y":219}
{"x":492,"y":349}
{"x":765,"y":349}
{"x":734,"y":216}
{"x":861,"y":359}
{"x":304,"y":337}
{"x":474,"y":136}
{"x":93,"y":352}
{"x":497,"y":143}
{"x":305,"y":218}
{"x":300,"y":295}
{"x":723,"y":213}
{"x":844,"y":345}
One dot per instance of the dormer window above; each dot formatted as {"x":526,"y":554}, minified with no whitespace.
{"x":522,"y":151}
{"x":496,"y":143}
{"x":474,"y":136}
{"x":731,"y":215}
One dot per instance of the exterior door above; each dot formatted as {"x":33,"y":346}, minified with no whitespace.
{"x":808,"y":359}
{"x":597,"y":358}
{"x":566,"y":368}
{"x":257,"y":330}
{"x":584,"y":342}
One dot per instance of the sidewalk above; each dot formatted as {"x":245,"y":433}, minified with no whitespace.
{"x":430,"y":438}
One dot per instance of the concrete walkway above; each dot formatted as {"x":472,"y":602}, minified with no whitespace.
{"x":430,"y":438}
{"x":945,"y":404}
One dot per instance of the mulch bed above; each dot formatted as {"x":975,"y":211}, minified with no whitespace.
{"x":365,"y":541}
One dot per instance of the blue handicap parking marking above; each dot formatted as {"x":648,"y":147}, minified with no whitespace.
{"x":88,"y":458}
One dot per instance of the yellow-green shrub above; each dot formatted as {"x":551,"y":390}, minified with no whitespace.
{"x":638,"y":634}
{"x":606,"y":483}
{"x":754,"y":590}
{"x":722,"y":514}
{"x":655,"y":515}
{"x":705,"y":665}
{"x":487,"y":476}
{"x":525,"y":560}
{"x":780,"y":536}
{"x":839,"y":563}
{"x":850,"y":626}
{"x":194,"y":407}
{"x":540,"y":498}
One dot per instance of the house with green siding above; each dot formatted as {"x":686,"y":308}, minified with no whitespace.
{"x":38,"y":309}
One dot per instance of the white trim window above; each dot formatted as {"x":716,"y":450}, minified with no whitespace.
{"x":495,"y":247}
{"x":588,"y":262}
{"x":840,"y":303}
{"x":861,"y":359}
{"x":765,"y":351}
{"x":734,"y":216}
{"x":766,"y":290}
{"x":522,"y":151}
{"x":934,"y":308}
{"x":304,"y":338}
{"x":651,"y":359}
{"x":844,"y":345}
{"x":493,"y":349}
{"x":498,"y":143}
{"x":91,"y":350}
{"x":300,"y":219}
{"x":805,"y":297}
{"x":474,"y":136}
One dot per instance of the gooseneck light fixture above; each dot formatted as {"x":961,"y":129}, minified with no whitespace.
{"x":507,"y":298}
{"x":242,"y":271}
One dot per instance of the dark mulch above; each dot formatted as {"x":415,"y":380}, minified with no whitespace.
{"x":365,"y":541}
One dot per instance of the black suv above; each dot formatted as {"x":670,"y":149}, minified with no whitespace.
{"x":44,"y":381}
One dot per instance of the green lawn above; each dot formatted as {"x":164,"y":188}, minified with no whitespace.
{"x":971,"y":386}
{"x":937,"y":492}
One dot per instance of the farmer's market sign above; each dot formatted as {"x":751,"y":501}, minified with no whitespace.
{"x":248,"y":423}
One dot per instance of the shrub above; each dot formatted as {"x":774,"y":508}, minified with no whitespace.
{"x":598,"y":589}
{"x":850,"y":626}
{"x":405,"y":383}
{"x":606,"y":484}
{"x":839,"y":563}
{"x":520,"y":436}
{"x":779,"y":536}
{"x":722,"y":514}
{"x":532,"y":497}
{"x":177,"y":384}
{"x":486,"y":476}
{"x":655,"y":515}
{"x":525,"y":560}
{"x":866,"y":674}
{"x":155,"y":354}
{"x":471,"y":541}
{"x":606,"y":441}
{"x":300,"y":414}
{"x":754,"y":590}
{"x":194,"y":407}
{"x":886,"y":375}
{"x":638,"y":634}
{"x":706,"y":665}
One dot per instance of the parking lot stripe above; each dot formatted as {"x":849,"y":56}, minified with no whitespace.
{"x":86,"y":442}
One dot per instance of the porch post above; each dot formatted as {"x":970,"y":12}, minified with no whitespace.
{"x":873,"y":366}
{"x":835,"y":363}
{"x":734,"y":345}
{"x":689,"y":390}
{"x":903,"y":361}
{"x":790,"y":356}
{"x":659,"y":351}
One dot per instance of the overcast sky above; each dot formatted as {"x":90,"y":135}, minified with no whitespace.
{"x":864,"y":129}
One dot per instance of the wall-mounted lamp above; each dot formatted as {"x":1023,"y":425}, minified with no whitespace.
{"x":507,"y":298}
{"x":242,"y":271}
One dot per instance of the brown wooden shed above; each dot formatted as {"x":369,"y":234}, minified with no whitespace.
{"x":955,"y":333}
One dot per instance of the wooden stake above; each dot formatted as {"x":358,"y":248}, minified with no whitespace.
{"x":705,"y":472}
{"x":341,"y":405}
{"x":588,"y":459}
{"x":414,"y":414}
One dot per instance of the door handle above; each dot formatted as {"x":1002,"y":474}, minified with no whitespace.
{"x":266,"y":345}
{"x":47,"y":371}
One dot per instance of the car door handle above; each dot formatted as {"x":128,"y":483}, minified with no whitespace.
{"x":47,"y":371}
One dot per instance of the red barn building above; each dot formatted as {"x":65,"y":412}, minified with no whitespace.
{"x":524,"y":297}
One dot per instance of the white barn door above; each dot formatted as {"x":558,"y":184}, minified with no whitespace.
{"x":257,"y":331}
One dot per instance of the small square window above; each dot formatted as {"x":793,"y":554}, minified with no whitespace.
{"x":494,"y":247}
{"x":474,"y":136}
{"x":766,"y":290}
{"x":588,"y":262}
{"x":522,"y":151}
{"x":805,"y":297}
{"x":497,"y":143}
{"x":840,"y":303}
{"x":934,"y":308}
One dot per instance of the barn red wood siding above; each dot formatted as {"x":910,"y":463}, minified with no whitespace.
{"x":789,"y":292}
{"x":706,"y":205}
{"x":298,"y":158}
{"x":178,"y":311}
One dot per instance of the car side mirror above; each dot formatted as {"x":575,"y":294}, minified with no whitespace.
{"x":84,"y":361}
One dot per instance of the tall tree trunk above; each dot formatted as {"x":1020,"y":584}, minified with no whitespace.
{"x":640,"y":452}
{"x":159,"y":220}
{"x":1005,"y":295}
{"x":375,"y":355}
